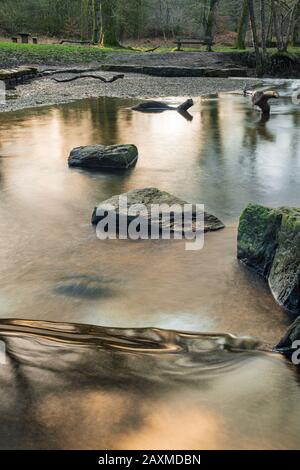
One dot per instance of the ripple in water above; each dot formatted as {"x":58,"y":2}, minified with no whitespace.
{"x":72,"y":386}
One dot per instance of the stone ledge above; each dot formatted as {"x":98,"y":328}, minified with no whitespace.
{"x":159,"y":71}
{"x":13,"y":77}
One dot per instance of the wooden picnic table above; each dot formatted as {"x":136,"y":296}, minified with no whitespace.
{"x":191,"y":41}
{"x":24,"y":37}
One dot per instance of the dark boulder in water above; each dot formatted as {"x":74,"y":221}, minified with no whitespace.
{"x":97,"y":157}
{"x":269,"y":243}
{"x":84,"y":286}
{"x":160,"y":106}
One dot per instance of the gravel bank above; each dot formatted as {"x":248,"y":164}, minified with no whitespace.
{"x":45,"y":91}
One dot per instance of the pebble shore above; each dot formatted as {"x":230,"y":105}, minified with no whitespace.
{"x":45,"y":91}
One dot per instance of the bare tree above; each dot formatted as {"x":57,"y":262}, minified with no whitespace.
{"x":242,"y":26}
{"x":259,"y":63}
{"x":285,"y":15}
{"x":85,"y":19}
{"x":296,"y":32}
{"x":291,"y":23}
{"x":263,"y":27}
{"x":107,"y":17}
{"x":96,"y":20}
{"x":210,"y":25}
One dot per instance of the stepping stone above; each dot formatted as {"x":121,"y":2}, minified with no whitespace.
{"x":101,"y":157}
{"x":148,"y":197}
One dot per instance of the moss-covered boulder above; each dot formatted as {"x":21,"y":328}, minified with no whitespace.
{"x":269,"y":243}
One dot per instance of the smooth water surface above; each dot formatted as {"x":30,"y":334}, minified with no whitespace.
{"x":54,"y":268}
{"x":79,"y":387}
{"x":68,"y":386}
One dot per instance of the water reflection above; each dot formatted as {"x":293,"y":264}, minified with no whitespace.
{"x":53,"y":267}
{"x":84,"y":387}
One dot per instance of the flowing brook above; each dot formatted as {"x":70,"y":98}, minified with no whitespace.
{"x":69,"y":385}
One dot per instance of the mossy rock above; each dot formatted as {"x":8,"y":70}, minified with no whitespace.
{"x":284,"y":277}
{"x":269,"y":243}
{"x":257,"y":237}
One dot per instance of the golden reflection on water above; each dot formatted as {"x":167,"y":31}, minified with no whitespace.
{"x":225,"y":157}
{"x":159,"y":426}
{"x":64,"y":387}
{"x":70,"y":386}
{"x":188,"y":428}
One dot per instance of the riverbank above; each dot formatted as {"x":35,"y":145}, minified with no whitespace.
{"x":45,"y":91}
{"x":200,"y":73}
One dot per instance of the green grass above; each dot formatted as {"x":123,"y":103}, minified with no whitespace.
{"x":291,"y":50}
{"x":51,"y":53}
{"x":11,"y":53}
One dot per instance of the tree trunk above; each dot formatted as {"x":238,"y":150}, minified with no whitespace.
{"x":275,"y":10}
{"x":259,"y":65}
{"x":108,"y":36}
{"x":270,"y":30}
{"x":210,"y":25}
{"x":138,"y":19}
{"x":96,"y":21}
{"x":296,"y":32}
{"x":291,"y":24}
{"x":242,"y":26}
{"x":85,"y":16}
{"x":263,"y":27}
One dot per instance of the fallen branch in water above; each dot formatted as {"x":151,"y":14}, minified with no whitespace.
{"x":96,"y":77}
{"x":261,"y":99}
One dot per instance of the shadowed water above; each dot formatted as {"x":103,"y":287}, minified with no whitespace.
{"x":68,"y":386}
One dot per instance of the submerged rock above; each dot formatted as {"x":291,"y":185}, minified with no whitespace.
{"x":160,"y":106}
{"x":99,"y":157}
{"x":269,"y":243}
{"x":84,"y":286}
{"x":147,"y":197}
